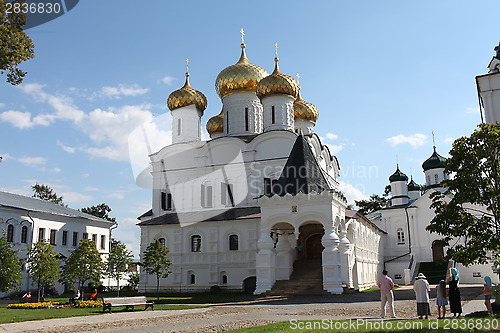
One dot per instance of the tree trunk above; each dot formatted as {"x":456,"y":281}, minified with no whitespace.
{"x":118,"y":284}
{"x":158,"y":287}
{"x":38,"y":293}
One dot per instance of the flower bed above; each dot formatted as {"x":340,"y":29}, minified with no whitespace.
{"x":88,"y":304}
{"x":40,"y":305}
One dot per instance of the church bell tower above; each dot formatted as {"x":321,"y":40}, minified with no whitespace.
{"x":488,"y":87}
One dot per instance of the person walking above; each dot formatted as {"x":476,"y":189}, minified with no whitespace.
{"x":441,"y":300}
{"x":454,"y":293}
{"x":422,"y":288}
{"x":487,"y":294}
{"x":386,"y":297}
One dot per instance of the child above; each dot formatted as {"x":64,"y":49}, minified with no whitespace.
{"x":487,"y":294}
{"x":441,"y":300}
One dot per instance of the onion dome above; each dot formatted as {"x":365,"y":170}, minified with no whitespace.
{"x":187,"y":96}
{"x":277,"y":83}
{"x":412,"y":186}
{"x":398,"y":176}
{"x":216,"y":124}
{"x":434,"y":162}
{"x":242,"y":76}
{"x":304,"y":110}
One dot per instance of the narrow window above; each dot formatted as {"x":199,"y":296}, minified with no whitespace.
{"x":103,"y":242}
{"x":428,"y":180}
{"x":192,"y":278}
{"x":64,"y":238}
{"x":224,"y":279}
{"x":196,"y":243}
{"x":52,"y":238}
{"x":24,"y":234}
{"x":85,"y":235}
{"x":202,"y":195}
{"x":209,"y":196}
{"x":273,"y":115}
{"x":162,"y":242}
{"x":10,"y":233}
{"x":401,"y":236}
{"x":206,"y":196}
{"x":436,"y":179}
{"x":75,"y":239}
{"x":233,"y":243}
{"x":41,"y":234}
{"x":94,"y":239}
{"x":179,"y":127}
{"x":246,"y":120}
{"x":227,"y":194}
{"x":166,"y":201}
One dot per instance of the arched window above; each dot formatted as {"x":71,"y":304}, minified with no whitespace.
{"x":428,"y":180}
{"x":162,"y":242}
{"x":273,"y":115}
{"x":10,"y":233}
{"x":196,"y":243}
{"x":223,"y":277}
{"x":401,"y":236}
{"x":179,"y":124}
{"x":206,"y":196}
{"x":24,"y":234}
{"x":191,"y":277}
{"x":436,"y":179}
{"x":233,"y":242}
{"x":247,"y":120}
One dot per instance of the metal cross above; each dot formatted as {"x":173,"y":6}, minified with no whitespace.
{"x":187,"y":65}
{"x":433,"y":141}
{"x":242,"y":36}
{"x":298,"y":77}
{"x":276,"y":46}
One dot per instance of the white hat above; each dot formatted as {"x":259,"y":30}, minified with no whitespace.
{"x":421,"y":276}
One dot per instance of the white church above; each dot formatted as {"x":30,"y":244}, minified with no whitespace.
{"x":257,"y":206}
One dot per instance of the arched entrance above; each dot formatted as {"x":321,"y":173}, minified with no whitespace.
{"x":437,"y":250}
{"x":310,"y":240}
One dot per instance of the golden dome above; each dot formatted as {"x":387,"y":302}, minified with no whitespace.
{"x":304,"y":110}
{"x":242,"y":76}
{"x":277,"y":83}
{"x":216,"y":123}
{"x":186,"y":96}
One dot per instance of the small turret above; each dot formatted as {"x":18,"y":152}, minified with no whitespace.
{"x":399,"y":188}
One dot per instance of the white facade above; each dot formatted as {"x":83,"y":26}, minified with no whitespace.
{"x":25,"y":220}
{"x":488,"y":87}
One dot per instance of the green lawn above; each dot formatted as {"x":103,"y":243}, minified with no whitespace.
{"x":463,"y":325}
{"x":17,"y":315}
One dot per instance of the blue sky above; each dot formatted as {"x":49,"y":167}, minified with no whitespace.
{"x":383,"y":74}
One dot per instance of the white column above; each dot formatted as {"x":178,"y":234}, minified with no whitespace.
{"x":332,"y":280}
{"x":345,"y":253}
{"x":283,"y":257}
{"x":265,"y":263}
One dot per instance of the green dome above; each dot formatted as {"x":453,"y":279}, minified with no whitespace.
{"x":398,"y":176}
{"x":434,"y":162}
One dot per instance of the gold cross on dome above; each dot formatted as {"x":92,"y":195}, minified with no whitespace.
{"x":433,"y":141}
{"x":242,"y":36}
{"x":276,"y":47}
{"x":298,"y":77}
{"x":187,"y":65}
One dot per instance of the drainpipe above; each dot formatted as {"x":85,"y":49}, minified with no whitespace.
{"x":114,"y":226}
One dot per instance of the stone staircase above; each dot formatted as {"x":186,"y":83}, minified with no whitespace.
{"x":306,"y":279}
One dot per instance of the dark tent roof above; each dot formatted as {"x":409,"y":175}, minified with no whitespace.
{"x":398,"y":176}
{"x":301,"y":172}
{"x":434,"y":162}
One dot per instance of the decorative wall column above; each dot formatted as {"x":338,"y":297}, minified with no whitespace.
{"x":332,"y":280}
{"x":265,"y":263}
{"x":284,"y":260}
{"x":345,"y":249}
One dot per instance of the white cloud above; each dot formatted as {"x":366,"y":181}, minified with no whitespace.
{"x":334,"y":149}
{"x":472,"y":110}
{"x":352,"y":193}
{"x":32,"y":160}
{"x":116,"y":195}
{"x":67,"y":149}
{"x":168,"y":80}
{"x":332,"y":136}
{"x":123,"y":90}
{"x":74,"y":197}
{"x":17,"y":118}
{"x":449,"y":140}
{"x":415,"y":140}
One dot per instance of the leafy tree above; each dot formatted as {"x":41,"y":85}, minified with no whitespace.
{"x":15,"y":45}
{"x":100,"y":210}
{"x":155,"y":262}
{"x":43,"y":266}
{"x":46,"y":193}
{"x":375,"y":202}
{"x":475,"y":166}
{"x":119,"y":260}
{"x":133,"y":280}
{"x":84,"y":264}
{"x":10,"y":268}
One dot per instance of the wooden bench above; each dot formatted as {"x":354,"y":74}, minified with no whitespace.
{"x":128,"y":302}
